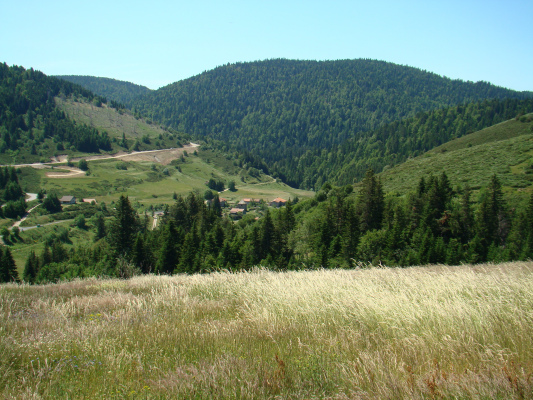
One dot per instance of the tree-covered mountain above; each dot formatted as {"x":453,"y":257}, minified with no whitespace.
{"x":394,"y":143}
{"x":281,"y":109}
{"x":119,"y":91}
{"x":29,"y":116}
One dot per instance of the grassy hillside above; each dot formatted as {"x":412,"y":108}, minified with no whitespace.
{"x":505,"y":149}
{"x":120,"y":124}
{"x":150,"y":182}
{"x":433,"y":332}
{"x":117,"y":122}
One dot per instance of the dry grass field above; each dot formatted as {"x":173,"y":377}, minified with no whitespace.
{"x":377,"y":333}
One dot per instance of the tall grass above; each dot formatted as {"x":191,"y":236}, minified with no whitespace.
{"x":428,"y":332}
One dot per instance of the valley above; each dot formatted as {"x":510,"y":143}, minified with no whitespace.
{"x":279,"y":229}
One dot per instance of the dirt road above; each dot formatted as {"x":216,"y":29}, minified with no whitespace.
{"x":162,"y":156}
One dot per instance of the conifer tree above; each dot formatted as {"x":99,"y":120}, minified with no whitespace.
{"x":46,"y":256}
{"x":167,"y":260}
{"x":371,"y":202}
{"x":267,"y":236}
{"x":30,"y":268}
{"x":124,"y":227}
{"x":99,"y":224}
{"x":8,"y":268}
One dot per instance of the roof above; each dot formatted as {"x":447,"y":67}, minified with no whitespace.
{"x":279,"y":200}
{"x":67,"y":198}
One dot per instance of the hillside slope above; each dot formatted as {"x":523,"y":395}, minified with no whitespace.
{"x":119,"y":124}
{"x":280,"y":109}
{"x":112,"y":89}
{"x":505,"y":149}
{"x":31,"y":126}
{"x":394,"y":143}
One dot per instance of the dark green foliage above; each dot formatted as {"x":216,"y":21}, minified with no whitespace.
{"x":83,"y":165}
{"x":99,"y":224}
{"x":168,"y":253}
{"x":51,"y":203}
{"x":332,"y":120}
{"x":28,"y":114}
{"x":141,"y":255}
{"x":8,"y":269}
{"x":119,"y":92}
{"x":433,"y":224}
{"x":14,"y":209}
{"x":215,"y":184}
{"x":10,"y":190}
{"x":80,"y":223}
{"x":371,"y":202}
{"x":30,"y":268}
{"x":124,"y":227}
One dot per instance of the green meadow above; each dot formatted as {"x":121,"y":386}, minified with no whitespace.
{"x":505,"y":149}
{"x":153,"y":183}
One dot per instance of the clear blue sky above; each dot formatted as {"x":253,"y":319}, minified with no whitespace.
{"x":155,"y":43}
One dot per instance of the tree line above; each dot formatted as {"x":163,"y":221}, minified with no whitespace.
{"x":336,"y":229}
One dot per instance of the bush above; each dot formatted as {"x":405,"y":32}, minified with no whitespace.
{"x":79,"y":222}
{"x":83,"y":165}
{"x":121,"y":165}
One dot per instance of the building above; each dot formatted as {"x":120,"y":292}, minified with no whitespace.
{"x":277,"y":202}
{"x":236,"y":213}
{"x":242,"y":205}
{"x":67,"y":200}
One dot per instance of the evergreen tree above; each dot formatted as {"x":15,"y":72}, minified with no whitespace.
{"x":371,"y":202}
{"x":168,"y":256}
{"x":30,"y":268}
{"x":51,"y":203}
{"x":8,"y":268}
{"x":267,"y":236}
{"x":46,"y":256}
{"x":141,"y":255}
{"x":99,"y":224}
{"x":125,"y":226}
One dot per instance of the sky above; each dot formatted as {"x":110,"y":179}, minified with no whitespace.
{"x":156,"y":43}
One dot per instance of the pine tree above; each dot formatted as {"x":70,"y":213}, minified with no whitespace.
{"x":99,"y":224}
{"x":46,"y":256}
{"x":167,"y":260}
{"x":124,"y":227}
{"x":266,"y":236}
{"x":371,"y":202}
{"x":8,"y":268}
{"x":141,"y":255}
{"x":30,"y":268}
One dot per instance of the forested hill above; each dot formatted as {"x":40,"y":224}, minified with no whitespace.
{"x":112,"y":89}
{"x":29,"y":118}
{"x":280,"y":109}
{"x":394,"y":143}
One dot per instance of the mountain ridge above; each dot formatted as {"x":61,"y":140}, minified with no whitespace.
{"x":280,"y":109}
{"x":113,"y":89}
